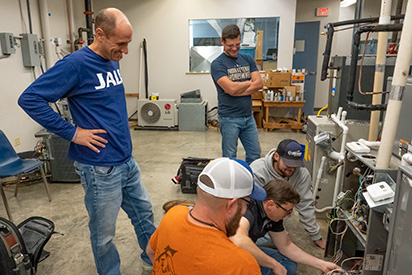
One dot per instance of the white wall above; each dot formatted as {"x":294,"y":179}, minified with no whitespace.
{"x":14,"y":77}
{"x":164,"y":24}
{"x":305,"y":12}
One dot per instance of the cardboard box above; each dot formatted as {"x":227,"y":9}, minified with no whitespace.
{"x":277,"y":79}
{"x":291,"y":90}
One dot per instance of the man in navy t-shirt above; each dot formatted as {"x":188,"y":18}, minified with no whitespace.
{"x":236,"y":77}
{"x":100,"y":145}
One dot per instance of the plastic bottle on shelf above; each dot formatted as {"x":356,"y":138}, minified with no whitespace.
{"x":298,"y":79}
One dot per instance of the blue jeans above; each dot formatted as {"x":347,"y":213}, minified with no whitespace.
{"x":243,"y":128}
{"x":290,"y":265}
{"x":107,"y":189}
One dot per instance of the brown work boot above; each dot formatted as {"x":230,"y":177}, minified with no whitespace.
{"x":169,"y":204}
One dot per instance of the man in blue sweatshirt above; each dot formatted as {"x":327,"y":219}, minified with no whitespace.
{"x":101,"y":145}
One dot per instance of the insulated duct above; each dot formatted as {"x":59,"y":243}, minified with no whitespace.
{"x":400,"y":76}
{"x":379,"y":69}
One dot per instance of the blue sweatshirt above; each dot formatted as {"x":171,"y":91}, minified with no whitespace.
{"x":95,"y":93}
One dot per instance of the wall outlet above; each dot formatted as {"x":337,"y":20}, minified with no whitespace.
{"x":17,"y":141}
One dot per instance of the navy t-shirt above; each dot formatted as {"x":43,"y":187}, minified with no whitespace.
{"x":237,"y":69}
{"x":259,"y":222}
{"x":96,"y":97}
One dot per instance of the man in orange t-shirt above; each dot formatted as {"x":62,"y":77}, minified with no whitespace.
{"x":196,"y":241}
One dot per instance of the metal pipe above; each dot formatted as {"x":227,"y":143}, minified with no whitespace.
{"x":330,"y":31}
{"x":395,"y":97}
{"x":48,"y":40}
{"x":328,"y":49}
{"x":29,"y":16}
{"x":70,"y":22}
{"x":384,"y":19}
{"x":358,"y":13}
{"x":89,"y":21}
{"x":354,"y":64}
{"x":141,"y":70}
{"x":398,"y":10}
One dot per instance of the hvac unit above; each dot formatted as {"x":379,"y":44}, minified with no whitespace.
{"x":157,"y":113}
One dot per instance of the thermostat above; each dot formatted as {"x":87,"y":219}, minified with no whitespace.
{"x":380,"y":191}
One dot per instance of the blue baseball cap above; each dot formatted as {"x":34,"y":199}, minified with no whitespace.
{"x":291,"y":153}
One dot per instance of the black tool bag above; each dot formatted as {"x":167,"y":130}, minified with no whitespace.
{"x":188,"y":172}
{"x":21,"y":247}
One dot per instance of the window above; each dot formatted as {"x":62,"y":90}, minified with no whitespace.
{"x":205,"y":46}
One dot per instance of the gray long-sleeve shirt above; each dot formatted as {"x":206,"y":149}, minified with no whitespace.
{"x":264,"y":172}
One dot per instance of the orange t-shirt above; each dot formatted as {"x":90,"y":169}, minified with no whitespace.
{"x":183,"y":248}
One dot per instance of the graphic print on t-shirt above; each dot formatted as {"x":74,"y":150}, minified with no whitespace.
{"x":164,"y":262}
{"x":239,"y":73}
{"x":109,"y":78}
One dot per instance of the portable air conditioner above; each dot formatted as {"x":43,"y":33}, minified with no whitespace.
{"x":157,"y":113}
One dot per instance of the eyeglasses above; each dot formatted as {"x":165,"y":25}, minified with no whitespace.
{"x":247,"y":201}
{"x":288,"y":212}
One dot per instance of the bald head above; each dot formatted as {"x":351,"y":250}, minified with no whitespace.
{"x":113,"y":34}
{"x":108,"y":19}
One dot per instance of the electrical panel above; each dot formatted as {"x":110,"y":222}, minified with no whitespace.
{"x":359,"y":228}
{"x":31,"y":51}
{"x":7,"y":43}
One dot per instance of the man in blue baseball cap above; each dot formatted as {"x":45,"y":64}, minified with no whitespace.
{"x":285,"y":162}
{"x":196,"y":241}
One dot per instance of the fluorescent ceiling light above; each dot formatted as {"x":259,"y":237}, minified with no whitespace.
{"x":347,"y":3}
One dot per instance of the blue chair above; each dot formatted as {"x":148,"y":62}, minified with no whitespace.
{"x":12,"y":165}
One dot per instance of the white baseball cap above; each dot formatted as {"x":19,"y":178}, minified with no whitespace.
{"x":232,"y":178}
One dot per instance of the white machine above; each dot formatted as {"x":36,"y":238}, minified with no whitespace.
{"x":157,"y":113}
{"x":321,"y":130}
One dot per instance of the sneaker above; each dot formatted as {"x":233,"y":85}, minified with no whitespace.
{"x":170,"y":204}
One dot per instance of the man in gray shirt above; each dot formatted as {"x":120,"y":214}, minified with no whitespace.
{"x":286,"y":162}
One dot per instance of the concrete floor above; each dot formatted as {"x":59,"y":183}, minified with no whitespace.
{"x":158,"y":154}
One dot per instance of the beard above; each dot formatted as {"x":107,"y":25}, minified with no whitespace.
{"x":233,"y":224}
{"x":286,"y":172}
